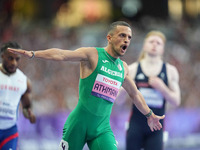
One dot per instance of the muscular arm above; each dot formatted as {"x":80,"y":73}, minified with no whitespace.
{"x":66,"y":55}
{"x":172,"y":94}
{"x":26,"y":104}
{"x":135,"y":95}
{"x":80,"y":54}
{"x":88,"y":56}
{"x":133,"y":92}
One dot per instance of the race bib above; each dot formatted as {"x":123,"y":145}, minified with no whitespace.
{"x":63,"y":145}
{"x":106,"y":88}
{"x":152,"y":97}
{"x":7,"y":112}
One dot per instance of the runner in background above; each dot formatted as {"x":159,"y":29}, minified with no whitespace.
{"x":158,"y":82}
{"x":15,"y":87}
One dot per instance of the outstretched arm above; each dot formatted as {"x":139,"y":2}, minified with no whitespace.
{"x":26,"y":104}
{"x":87,"y":56}
{"x":55,"y":54}
{"x":138,"y":100}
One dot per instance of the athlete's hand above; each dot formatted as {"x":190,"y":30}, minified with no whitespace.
{"x":28,"y":54}
{"x":154,"y":122}
{"x":29,"y":115}
{"x":157,"y":83}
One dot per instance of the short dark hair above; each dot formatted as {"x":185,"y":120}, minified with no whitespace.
{"x":117,"y":23}
{"x":10,"y":44}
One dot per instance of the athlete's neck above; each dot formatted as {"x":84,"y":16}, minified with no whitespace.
{"x":151,"y":67}
{"x":111,"y":52}
{"x":152,"y":60}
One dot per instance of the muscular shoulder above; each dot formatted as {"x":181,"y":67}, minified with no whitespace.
{"x":91,"y":53}
{"x":171,"y":68}
{"x":88,"y":50}
{"x":130,"y":69}
{"x":126,"y":70}
{"x":84,"y":53}
{"x":90,"y":62}
{"x":172,"y":72}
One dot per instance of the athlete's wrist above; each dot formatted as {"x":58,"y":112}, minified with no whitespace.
{"x":149,"y":114}
{"x":33,"y":54}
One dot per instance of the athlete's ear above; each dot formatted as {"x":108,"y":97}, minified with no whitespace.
{"x":109,"y":37}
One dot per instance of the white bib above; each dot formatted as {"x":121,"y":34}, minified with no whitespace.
{"x":152,"y":97}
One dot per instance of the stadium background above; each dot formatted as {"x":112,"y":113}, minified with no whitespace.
{"x":69,"y":24}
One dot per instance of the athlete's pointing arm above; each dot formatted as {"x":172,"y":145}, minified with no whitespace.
{"x":55,"y":54}
{"x":138,"y":100}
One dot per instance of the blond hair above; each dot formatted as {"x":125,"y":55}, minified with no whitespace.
{"x":154,"y":32}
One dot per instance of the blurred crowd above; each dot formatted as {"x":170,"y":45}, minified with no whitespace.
{"x":55,"y":84}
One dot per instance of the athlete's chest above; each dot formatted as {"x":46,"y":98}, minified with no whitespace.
{"x":108,"y":80}
{"x":11,"y":84}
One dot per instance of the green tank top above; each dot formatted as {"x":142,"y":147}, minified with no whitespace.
{"x":99,"y":90}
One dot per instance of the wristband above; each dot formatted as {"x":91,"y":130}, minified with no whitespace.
{"x":33,"y":55}
{"x":149,"y":114}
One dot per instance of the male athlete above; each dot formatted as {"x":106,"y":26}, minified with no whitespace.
{"x":102,"y":73}
{"x":14,"y":87}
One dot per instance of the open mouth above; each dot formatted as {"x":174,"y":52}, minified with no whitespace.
{"x":124,"y":47}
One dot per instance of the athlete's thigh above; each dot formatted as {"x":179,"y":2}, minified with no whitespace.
{"x":74,"y":132}
{"x":9,"y":138}
{"x":73,"y":138}
{"x":104,"y":141}
{"x":72,"y":143}
{"x":134,"y":139}
{"x":10,"y":145}
{"x":155,"y":141}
